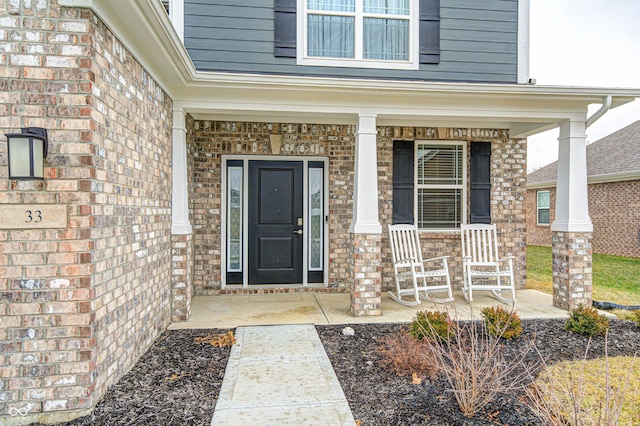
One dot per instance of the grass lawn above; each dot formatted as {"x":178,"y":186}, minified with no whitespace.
{"x":584,"y":383}
{"x":615,"y":279}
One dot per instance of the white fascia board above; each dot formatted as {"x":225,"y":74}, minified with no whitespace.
{"x":542,"y":185}
{"x":400,"y":96}
{"x":145,"y":29}
{"x":523,"y":109}
{"x":615,"y":177}
{"x":205,"y":79}
{"x":387,"y":103}
{"x":596,"y":179}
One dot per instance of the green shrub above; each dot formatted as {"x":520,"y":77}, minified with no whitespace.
{"x":587,"y":321}
{"x":636,"y":317}
{"x":502,"y":323}
{"x":432,"y":326}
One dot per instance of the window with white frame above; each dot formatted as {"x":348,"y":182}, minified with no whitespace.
{"x":359,"y":33}
{"x":544,"y":204}
{"x":440,"y":184}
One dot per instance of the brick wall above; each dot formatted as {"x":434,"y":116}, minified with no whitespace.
{"x":508,"y":186}
{"x":572,"y":269}
{"x":80,"y":305}
{"x":212,"y":139}
{"x":539,"y":235}
{"x":615,"y":211}
{"x":614,"y":208}
{"x":132,"y":209}
{"x":182,"y":272}
{"x":365,"y":258}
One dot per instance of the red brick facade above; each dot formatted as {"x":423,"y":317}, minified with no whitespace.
{"x":80,"y":305}
{"x":213,"y":139}
{"x":572,"y":269}
{"x":614,"y":208}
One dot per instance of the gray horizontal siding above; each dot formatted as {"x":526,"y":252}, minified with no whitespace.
{"x":497,"y":5}
{"x":478,"y":42}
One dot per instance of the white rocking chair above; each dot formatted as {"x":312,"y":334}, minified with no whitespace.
{"x":482,"y":266}
{"x":408,"y":265}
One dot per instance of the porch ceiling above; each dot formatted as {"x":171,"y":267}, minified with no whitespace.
{"x":144,"y":28}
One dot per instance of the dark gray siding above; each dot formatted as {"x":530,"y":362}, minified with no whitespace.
{"x":478,"y":42}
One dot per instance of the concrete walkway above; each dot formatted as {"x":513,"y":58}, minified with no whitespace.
{"x":280,"y":375}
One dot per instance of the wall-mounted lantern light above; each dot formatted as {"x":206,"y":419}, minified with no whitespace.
{"x":27,"y":151}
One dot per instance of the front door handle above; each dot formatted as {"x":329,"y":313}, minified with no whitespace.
{"x":299,"y":232}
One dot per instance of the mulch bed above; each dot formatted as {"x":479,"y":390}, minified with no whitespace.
{"x":378,"y":396}
{"x":177,"y":381}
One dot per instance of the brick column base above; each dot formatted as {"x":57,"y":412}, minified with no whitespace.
{"x":181,"y":267}
{"x":366,"y":275}
{"x":572,"y":275}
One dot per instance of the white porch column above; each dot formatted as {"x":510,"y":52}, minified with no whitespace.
{"x":572,"y":204}
{"x":179,"y":195}
{"x":366,"y":231}
{"x":572,"y":227}
{"x":365,"y":191}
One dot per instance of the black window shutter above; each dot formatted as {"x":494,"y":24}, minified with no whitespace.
{"x":284,"y":28}
{"x":480,"y":198}
{"x":429,"y":31}
{"x":403,"y":182}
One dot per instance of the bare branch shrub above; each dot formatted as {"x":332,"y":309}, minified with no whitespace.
{"x":474,"y":365}
{"x":405,"y":355}
{"x":567,"y":398}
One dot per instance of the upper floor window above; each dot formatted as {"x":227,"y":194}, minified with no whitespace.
{"x":359,"y":33}
{"x":544,"y":204}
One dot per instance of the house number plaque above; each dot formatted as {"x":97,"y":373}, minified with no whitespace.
{"x":33,"y":216}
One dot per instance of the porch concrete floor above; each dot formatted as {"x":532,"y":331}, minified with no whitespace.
{"x":228,"y":311}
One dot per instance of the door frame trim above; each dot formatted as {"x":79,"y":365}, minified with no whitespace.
{"x":245,"y":223}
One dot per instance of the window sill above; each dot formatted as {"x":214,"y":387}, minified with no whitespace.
{"x":439,"y":231}
{"x":355,"y":63}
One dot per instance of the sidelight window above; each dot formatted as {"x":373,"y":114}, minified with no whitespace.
{"x":234,"y":218}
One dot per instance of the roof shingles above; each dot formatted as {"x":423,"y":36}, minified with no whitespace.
{"x":615,"y":154}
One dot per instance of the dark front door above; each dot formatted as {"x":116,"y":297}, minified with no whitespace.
{"x":275,"y":222}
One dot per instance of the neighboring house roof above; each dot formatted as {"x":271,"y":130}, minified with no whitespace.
{"x":613,"y":158}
